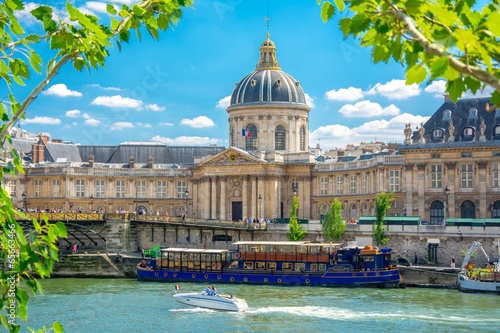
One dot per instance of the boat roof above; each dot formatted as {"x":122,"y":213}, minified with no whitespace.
{"x":176,"y":249}
{"x":284,"y":243}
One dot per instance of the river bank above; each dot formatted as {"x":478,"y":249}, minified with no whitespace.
{"x":116,"y":265}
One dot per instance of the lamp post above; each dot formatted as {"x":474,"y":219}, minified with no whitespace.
{"x":91,"y":203}
{"x":71,"y":207}
{"x":105,"y":205}
{"x":447,"y":193}
{"x":25,"y":203}
{"x":260,"y":207}
{"x":186,"y":194}
{"x":52,"y":203}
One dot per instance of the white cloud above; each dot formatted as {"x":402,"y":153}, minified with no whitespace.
{"x":486,"y":92}
{"x":166,"y":124}
{"x":26,"y":18}
{"x":117,"y":101}
{"x":339,"y":136}
{"x":186,"y":140}
{"x":96,"y":85}
{"x":350,"y":94}
{"x":95,"y":6}
{"x":309,"y":101}
{"x":42,"y":120}
{"x":438,"y":88}
{"x":198,"y":122}
{"x":92,"y":122}
{"x":61,"y":90}
{"x":155,"y":107}
{"x":72,"y":113}
{"x":118,"y":126}
{"x":224,"y":103}
{"x":395,"y":89}
{"x":368,"y":109}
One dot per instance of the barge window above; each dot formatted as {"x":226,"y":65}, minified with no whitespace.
{"x":286,"y":266}
{"x":314,"y":267}
{"x":300,"y":266}
{"x":248,"y":265}
{"x":322,"y":267}
{"x":271,"y":265}
{"x":260,"y":265}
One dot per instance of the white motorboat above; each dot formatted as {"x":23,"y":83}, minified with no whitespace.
{"x":210,"y":299}
{"x":473,"y":279}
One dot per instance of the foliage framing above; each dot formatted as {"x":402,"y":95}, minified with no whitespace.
{"x":80,"y":39}
{"x":333,"y":226}
{"x":296,"y":231}
{"x":382,"y":205}
{"x":440,"y":39}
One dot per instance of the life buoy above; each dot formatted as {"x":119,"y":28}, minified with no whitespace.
{"x":245,"y":279}
{"x":206,"y":276}
{"x":231,"y":279}
{"x":156,"y":273}
{"x":279,"y":280}
{"x":219,"y":277}
{"x":165,"y":274}
{"x":307,"y":281}
{"x":265,"y":280}
{"x":236,"y":256}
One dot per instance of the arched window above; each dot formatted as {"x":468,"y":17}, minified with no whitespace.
{"x":322,"y":211}
{"x":251,"y":138}
{"x":302,"y":137}
{"x":437,"y":212}
{"x":354,"y":212}
{"x":280,"y":138}
{"x":495,"y":210}
{"x":468,"y":210}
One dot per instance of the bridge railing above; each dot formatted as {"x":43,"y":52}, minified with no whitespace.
{"x":199,"y":222}
{"x":62,"y":216}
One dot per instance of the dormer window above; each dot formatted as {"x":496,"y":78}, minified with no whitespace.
{"x":468,"y":131}
{"x":447,"y":115}
{"x":472,"y":113}
{"x":252,"y":83}
{"x":278,"y":82}
{"x":297,"y":83}
{"x":496,"y":130}
{"x":437,"y":133}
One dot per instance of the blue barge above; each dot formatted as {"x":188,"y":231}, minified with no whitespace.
{"x":276,"y":263}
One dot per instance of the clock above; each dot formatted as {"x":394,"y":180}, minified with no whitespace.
{"x":232,"y":157}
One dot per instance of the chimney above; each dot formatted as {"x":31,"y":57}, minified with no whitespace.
{"x":57,"y":140}
{"x":131,"y":162}
{"x":150,"y":162}
{"x":91,"y":160}
{"x":44,"y":137}
{"x":447,"y":97}
{"x":37,"y":151}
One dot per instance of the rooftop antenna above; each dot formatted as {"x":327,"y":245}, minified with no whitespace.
{"x":267,"y":19}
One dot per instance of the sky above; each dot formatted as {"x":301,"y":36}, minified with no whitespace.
{"x":176,"y":90}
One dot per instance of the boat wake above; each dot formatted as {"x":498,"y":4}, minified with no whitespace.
{"x":334,"y":313}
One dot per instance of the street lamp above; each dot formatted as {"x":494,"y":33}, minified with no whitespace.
{"x":186,"y":194}
{"x":91,"y":203}
{"x":25,"y":203}
{"x":294,"y":190}
{"x":447,"y":193}
{"x":260,"y":206}
{"x":105,"y":205}
{"x":52,"y":203}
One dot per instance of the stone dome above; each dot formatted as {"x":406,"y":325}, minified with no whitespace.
{"x":268,"y":83}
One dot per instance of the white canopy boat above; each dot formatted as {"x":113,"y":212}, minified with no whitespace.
{"x":473,"y":279}
{"x":210,"y":299}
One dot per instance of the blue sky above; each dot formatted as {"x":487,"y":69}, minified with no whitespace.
{"x":176,"y":90}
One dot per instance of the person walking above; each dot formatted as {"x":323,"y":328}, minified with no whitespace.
{"x":415,"y":258}
{"x":452,"y":261}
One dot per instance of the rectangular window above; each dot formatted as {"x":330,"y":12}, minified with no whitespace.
{"x":436,"y":176}
{"x":323,"y":186}
{"x":99,"y":188}
{"x":353,"y":184}
{"x":161,"y":189}
{"x":120,"y":189}
{"x":55,"y":187}
{"x":495,"y":175}
{"x":466,"y":175}
{"x":140,"y":187}
{"x":340,"y":184}
{"x":364,"y":178}
{"x":13,"y":188}
{"x":436,"y":156}
{"x":181,"y":189}
{"x":393,"y":180}
{"x":80,"y":188}
{"x":38,"y":188}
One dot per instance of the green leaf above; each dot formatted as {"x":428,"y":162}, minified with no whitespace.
{"x":438,"y":67}
{"x":472,"y":84}
{"x":111,"y":9}
{"x":415,"y":74}
{"x":340,"y":5}
{"x":57,"y":327}
{"x":455,"y":89}
{"x":327,"y":11}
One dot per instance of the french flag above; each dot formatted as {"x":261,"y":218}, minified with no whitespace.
{"x":177,"y":287}
{"x":244,"y":132}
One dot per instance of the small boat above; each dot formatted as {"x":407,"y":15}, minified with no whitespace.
{"x":210,"y":299}
{"x":474,"y":279}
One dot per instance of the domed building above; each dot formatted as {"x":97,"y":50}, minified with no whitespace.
{"x":268,"y":110}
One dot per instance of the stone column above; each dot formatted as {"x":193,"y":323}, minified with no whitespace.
{"x":205,"y":196}
{"x":213,"y":197}
{"x":244,"y":198}
{"x":222,"y":202}
{"x":253,"y":196}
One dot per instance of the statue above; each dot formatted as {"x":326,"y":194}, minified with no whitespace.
{"x":482,"y":127}
{"x":407,"y":131}
{"x":451,"y":129}
{"x":421,"y":130}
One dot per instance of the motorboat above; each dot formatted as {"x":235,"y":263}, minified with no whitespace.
{"x":210,"y":299}
{"x":474,"y":279}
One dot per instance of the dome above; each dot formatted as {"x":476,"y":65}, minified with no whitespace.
{"x":268,"y":83}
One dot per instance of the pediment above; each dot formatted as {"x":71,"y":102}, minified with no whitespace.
{"x":231,"y":156}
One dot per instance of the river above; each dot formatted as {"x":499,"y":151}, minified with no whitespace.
{"x":123,"y":305}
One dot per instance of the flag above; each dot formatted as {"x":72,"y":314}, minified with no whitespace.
{"x":249,"y":134}
{"x":177,"y":287}
{"x":243,"y":132}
